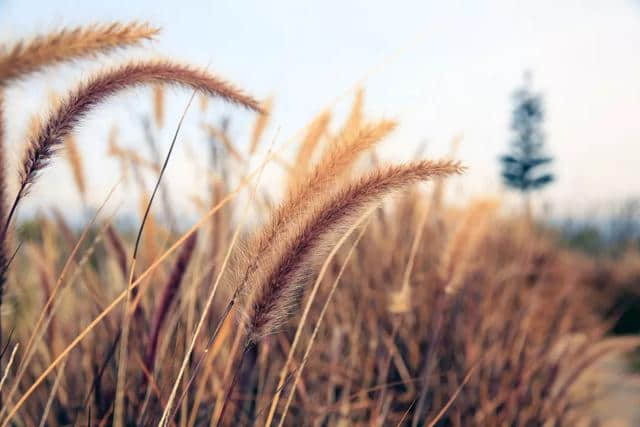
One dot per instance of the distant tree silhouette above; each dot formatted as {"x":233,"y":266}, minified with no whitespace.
{"x":521,"y":166}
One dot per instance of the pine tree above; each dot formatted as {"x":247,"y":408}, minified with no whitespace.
{"x":521,"y":167}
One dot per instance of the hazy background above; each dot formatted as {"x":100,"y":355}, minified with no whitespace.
{"x":440,"y":68}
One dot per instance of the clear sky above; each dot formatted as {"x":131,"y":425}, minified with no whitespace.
{"x":440,"y":68}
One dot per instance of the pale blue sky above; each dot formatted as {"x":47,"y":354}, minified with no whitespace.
{"x":449,"y":68}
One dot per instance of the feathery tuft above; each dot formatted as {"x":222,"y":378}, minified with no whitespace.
{"x":28,"y":57}
{"x":71,"y":110}
{"x":334,"y":164}
{"x":344,"y":151}
{"x":274,"y":290}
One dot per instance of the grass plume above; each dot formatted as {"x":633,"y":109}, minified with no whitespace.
{"x":431,"y":293}
{"x":275,"y":291}
{"x":335,"y":163}
{"x":96,"y":90}
{"x":27,"y":57}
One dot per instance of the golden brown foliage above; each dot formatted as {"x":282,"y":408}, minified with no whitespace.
{"x":491,"y":322}
{"x":315,"y":130}
{"x":77,"y":104}
{"x":28,"y":57}
{"x":273,"y":293}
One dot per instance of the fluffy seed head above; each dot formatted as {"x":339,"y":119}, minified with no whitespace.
{"x":275,"y":290}
{"x":78,"y":103}
{"x":25,"y":58}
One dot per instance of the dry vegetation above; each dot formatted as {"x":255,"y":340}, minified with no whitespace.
{"x":336,"y":310}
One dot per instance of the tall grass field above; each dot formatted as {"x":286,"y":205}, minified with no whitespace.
{"x":364,"y":293}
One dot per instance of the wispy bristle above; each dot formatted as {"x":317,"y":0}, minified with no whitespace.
{"x":275,"y":290}
{"x":344,"y":151}
{"x":28,"y":57}
{"x":79,"y":102}
{"x":334,"y":163}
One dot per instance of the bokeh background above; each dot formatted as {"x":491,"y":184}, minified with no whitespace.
{"x":442,"y":69}
{"x":456,"y":292}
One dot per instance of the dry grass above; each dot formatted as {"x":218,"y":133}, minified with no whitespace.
{"x":28,"y":57}
{"x":304,"y":241}
{"x":416,"y":312}
{"x":76,"y":163}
